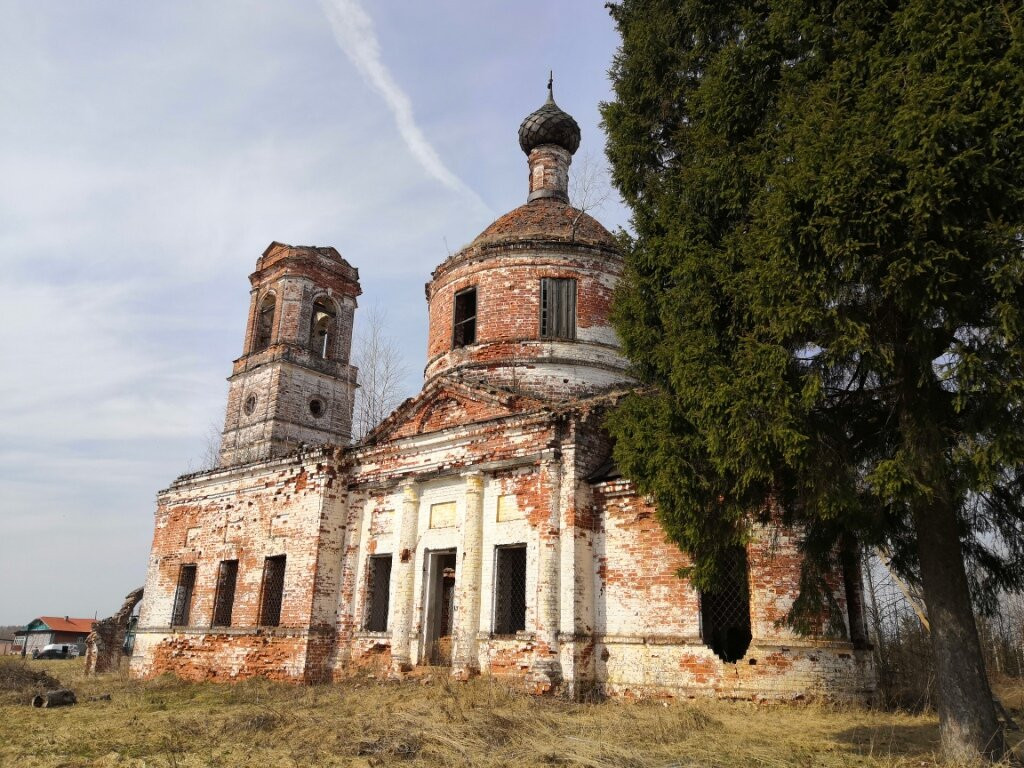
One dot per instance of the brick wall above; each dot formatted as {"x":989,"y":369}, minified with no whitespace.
{"x":648,"y":633}
{"x":508,"y":349}
{"x":597,"y":561}
{"x":245,"y":514}
{"x":287,"y":376}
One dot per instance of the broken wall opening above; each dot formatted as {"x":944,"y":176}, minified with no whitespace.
{"x":265,"y":323}
{"x":439,"y":619}
{"x":725,"y":611}
{"x":321,"y":335}
{"x":113,"y":637}
{"x":464,"y":330}
{"x":378,"y":588}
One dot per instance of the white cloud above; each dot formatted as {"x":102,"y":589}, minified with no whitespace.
{"x":88,"y":370}
{"x":353,"y":29}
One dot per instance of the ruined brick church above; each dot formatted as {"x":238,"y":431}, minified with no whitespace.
{"x":482,"y":526}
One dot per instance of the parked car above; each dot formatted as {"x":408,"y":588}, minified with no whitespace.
{"x":56,"y":651}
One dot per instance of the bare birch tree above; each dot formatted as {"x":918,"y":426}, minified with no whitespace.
{"x":209,"y":455}
{"x":381,"y":371}
{"x":211,"y":446}
{"x":589,"y":186}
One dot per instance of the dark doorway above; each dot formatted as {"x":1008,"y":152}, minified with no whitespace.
{"x":725,"y":612}
{"x":440,"y":608}
{"x":464,"y":328}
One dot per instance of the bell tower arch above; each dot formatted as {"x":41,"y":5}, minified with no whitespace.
{"x":294,"y":383}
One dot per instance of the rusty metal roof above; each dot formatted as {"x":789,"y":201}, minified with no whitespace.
{"x":64,"y":624}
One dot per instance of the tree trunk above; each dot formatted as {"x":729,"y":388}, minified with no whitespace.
{"x":881,"y":656}
{"x":62,"y":697}
{"x":967,"y":716}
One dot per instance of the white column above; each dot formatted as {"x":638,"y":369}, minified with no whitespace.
{"x":465,"y":661}
{"x":404,"y":565}
{"x":353,"y":561}
{"x":547,"y":670}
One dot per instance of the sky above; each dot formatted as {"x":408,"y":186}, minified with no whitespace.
{"x":149,"y":152}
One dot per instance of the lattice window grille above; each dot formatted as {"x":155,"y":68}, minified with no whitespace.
{"x":725,"y":612}
{"x":183,"y":596}
{"x":510,"y":589}
{"x":272,"y":591}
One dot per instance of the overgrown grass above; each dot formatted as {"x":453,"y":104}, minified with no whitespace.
{"x":19,"y":682}
{"x":168,"y":723}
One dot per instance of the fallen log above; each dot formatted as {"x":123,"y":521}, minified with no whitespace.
{"x":62,"y":697}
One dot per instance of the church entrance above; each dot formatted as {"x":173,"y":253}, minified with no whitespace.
{"x":439,"y":608}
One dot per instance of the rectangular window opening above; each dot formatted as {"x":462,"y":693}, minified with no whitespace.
{"x":272,"y":591}
{"x":465,"y":318}
{"x":558,"y":308}
{"x":183,"y":596}
{"x":378,"y":586}
{"x":509,"y":589}
{"x":224,"y":601}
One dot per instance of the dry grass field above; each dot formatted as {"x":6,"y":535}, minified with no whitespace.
{"x":431,"y":722}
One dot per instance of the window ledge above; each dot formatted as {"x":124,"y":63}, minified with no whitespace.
{"x":264,"y":631}
{"x":521,"y":636}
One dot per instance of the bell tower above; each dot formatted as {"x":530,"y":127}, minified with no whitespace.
{"x":294,"y":383}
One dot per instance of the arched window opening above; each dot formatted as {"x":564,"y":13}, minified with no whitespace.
{"x":321,"y":329}
{"x":725,"y":612}
{"x":265,"y":323}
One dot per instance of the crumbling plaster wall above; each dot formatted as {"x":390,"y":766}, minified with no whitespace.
{"x":648,"y":618}
{"x":288,"y":507}
{"x":285,"y":376}
{"x":103,"y":646}
{"x":605,"y":606}
{"x":509,"y":350}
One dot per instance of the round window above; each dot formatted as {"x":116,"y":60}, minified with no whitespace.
{"x":250,"y":405}
{"x":316,"y":407}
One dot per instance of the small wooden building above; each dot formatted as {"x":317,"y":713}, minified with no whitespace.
{"x":44,"y":630}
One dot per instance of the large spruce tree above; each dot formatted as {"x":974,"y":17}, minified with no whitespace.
{"x":825,"y":292}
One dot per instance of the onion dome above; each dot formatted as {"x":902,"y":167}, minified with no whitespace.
{"x":526,"y":306}
{"x":549,"y":125}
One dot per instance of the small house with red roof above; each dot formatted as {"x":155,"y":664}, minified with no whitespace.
{"x":44,"y":630}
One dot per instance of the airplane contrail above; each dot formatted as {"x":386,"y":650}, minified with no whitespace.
{"x":354,"y":32}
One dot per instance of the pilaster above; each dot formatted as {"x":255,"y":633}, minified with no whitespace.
{"x":547,"y":671}
{"x":404,"y":566}
{"x":465,"y":661}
